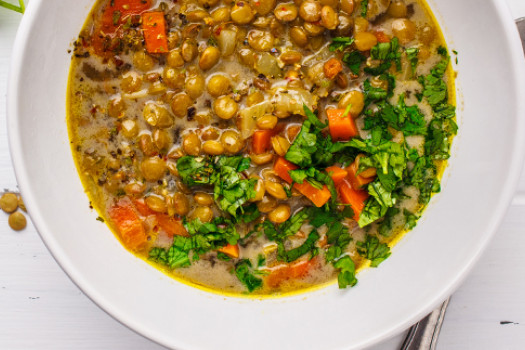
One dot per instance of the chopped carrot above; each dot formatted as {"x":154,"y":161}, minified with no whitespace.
{"x":118,"y":11}
{"x":154,"y":27}
{"x":231,"y":250}
{"x":262,"y":141}
{"x":129,"y":7}
{"x":114,"y":15}
{"x":382,"y":37}
{"x":357,"y":181}
{"x":282,"y":167}
{"x":356,"y":198}
{"x":318,"y":196}
{"x":171,"y":225}
{"x":128,"y":225}
{"x":342,"y":127}
{"x":142,"y":208}
{"x":294,"y":270}
{"x":337,"y":174}
{"x":332,"y":67}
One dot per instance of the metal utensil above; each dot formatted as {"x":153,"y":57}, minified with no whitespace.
{"x":520,"y":22}
{"x":424,"y":334}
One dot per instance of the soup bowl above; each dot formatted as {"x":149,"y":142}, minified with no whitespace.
{"x":425,"y":267}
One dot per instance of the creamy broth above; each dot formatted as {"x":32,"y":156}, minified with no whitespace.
{"x":183,"y":115}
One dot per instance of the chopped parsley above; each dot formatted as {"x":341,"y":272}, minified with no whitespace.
{"x":340,"y":43}
{"x":294,"y":254}
{"x":203,"y":238}
{"x":231,"y":189}
{"x":243,"y":271}
{"x":410,"y":219}
{"x":353,"y":61}
{"x":373,"y":250}
{"x":346,"y":276}
{"x":412,"y":56}
{"x":364,"y":8}
{"x":386,"y":53}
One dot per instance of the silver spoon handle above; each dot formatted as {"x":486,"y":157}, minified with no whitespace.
{"x":424,"y":334}
{"x":520,"y":22}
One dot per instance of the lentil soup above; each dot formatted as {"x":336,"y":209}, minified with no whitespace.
{"x":261,"y":147}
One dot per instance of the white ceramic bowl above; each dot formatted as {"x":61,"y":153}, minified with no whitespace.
{"x":425,"y":267}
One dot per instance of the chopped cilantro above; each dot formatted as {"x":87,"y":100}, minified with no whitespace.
{"x":194,"y":170}
{"x":231,"y":189}
{"x":412,"y":56}
{"x":373,"y":250}
{"x":293,"y":225}
{"x":434,"y":87}
{"x":304,"y":145}
{"x":338,"y":238}
{"x":244,"y":274}
{"x":353,"y":61}
{"x":223,"y":257}
{"x":364,"y":8}
{"x":410,"y":219}
{"x":261,"y":260}
{"x":407,"y":119}
{"x":387,"y":53}
{"x":373,"y":93}
{"x":386,"y":226}
{"x":442,"y":51}
{"x":176,"y":256}
{"x":346,"y":275}
{"x":340,"y":43}
{"x":296,"y":253}
{"x":251,"y":213}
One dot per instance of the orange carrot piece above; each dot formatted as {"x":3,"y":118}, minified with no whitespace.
{"x":318,"y":196}
{"x":282,"y":167}
{"x":171,"y":225}
{"x":342,"y":127}
{"x":355,"y":198}
{"x":337,"y":174}
{"x":382,"y":37}
{"x":129,"y":7}
{"x":154,"y":27}
{"x":128,"y":225}
{"x":231,"y":250}
{"x":142,"y":208}
{"x":357,"y":181}
{"x":332,"y":67}
{"x":114,"y":15}
{"x":262,"y":141}
{"x":294,"y":270}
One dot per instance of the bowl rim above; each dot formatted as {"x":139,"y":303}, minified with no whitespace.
{"x":508,"y":188}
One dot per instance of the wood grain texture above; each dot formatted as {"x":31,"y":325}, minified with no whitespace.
{"x":41,"y":309}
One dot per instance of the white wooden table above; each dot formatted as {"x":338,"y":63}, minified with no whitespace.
{"x":40,"y":308}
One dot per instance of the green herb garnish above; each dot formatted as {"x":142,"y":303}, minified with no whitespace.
{"x":244,"y":273}
{"x":340,"y":43}
{"x":373,"y":250}
{"x":20,"y":8}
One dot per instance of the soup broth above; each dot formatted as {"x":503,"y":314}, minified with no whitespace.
{"x":261,"y":147}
